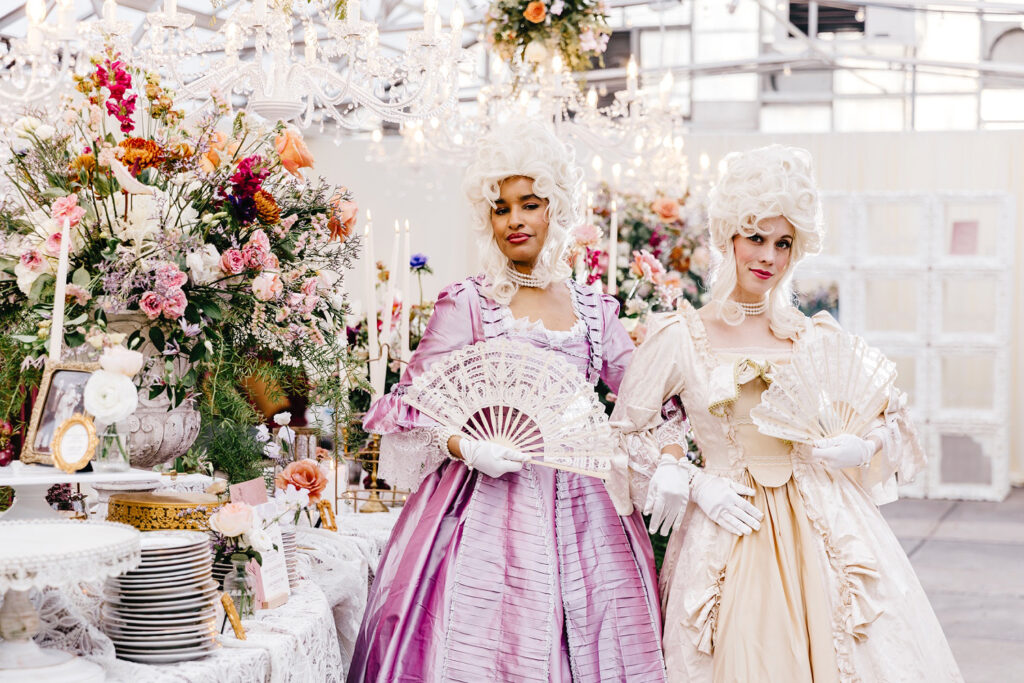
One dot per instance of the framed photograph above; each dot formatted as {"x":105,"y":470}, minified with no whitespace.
{"x":74,"y":444}
{"x":60,"y":396}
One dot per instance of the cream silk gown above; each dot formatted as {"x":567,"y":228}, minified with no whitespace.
{"x":823,"y":592}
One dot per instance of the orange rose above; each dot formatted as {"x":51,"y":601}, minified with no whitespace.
{"x":303,"y":474}
{"x":343,"y":217}
{"x":666,"y":207}
{"x":293,"y":151}
{"x":535,"y":12}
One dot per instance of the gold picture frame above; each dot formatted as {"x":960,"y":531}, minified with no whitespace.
{"x":326,"y":510}
{"x":232,"y":616}
{"x":59,"y":397}
{"x":74,"y":443}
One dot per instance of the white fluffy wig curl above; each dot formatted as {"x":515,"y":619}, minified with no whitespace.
{"x":531,"y":150}
{"x":763,"y":183}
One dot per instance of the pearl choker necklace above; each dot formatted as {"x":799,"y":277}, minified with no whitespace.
{"x":523,"y":279}
{"x":754,"y":309}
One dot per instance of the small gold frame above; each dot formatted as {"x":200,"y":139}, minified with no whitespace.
{"x":232,"y":614}
{"x":63,"y":459}
{"x":29,"y":453}
{"x":326,"y":510}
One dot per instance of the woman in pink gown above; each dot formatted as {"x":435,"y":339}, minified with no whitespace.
{"x":498,"y":570}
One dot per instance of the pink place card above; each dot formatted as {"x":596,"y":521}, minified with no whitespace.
{"x":964,"y":240}
{"x":253,"y":492}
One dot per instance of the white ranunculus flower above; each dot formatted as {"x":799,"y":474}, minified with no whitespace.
{"x":259,"y":540}
{"x":25,"y":126}
{"x":45,"y":131}
{"x":536,"y":52}
{"x":204,"y":265}
{"x":110,"y":396}
{"x":283,"y":418}
{"x":121,"y":360}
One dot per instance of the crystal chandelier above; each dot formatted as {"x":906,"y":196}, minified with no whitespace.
{"x":343,"y":75}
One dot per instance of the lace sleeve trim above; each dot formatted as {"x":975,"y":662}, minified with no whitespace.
{"x":406,"y":458}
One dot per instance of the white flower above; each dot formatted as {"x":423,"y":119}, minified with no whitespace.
{"x":262,"y":434}
{"x":204,"y":264}
{"x":283,"y":418}
{"x":557,"y":7}
{"x":536,"y":52}
{"x":110,"y":396}
{"x":25,"y":126}
{"x":272,"y":450}
{"x":298,"y":497}
{"x":141,"y":222}
{"x":258,"y":539}
{"x":121,"y":360}
{"x":45,"y":131}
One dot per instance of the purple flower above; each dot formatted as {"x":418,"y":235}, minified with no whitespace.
{"x":418,"y":261}
{"x":189,"y":329}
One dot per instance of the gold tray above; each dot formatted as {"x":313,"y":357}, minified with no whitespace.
{"x":149,"y":511}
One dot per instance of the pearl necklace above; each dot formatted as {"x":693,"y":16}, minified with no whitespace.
{"x":523,"y":279}
{"x":754,"y":309}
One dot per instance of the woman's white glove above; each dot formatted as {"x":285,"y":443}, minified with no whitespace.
{"x":490,"y":458}
{"x":721,"y":500}
{"x":845,"y":450}
{"x":667,"y":495}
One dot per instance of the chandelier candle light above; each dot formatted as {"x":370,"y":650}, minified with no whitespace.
{"x":406,"y":296}
{"x":57,"y":321}
{"x":372,"y":346}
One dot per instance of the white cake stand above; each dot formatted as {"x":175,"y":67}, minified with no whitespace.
{"x":31,"y":482}
{"x":40,"y":553}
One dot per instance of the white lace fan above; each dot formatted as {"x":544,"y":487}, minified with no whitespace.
{"x":836,"y":384}
{"x":522,"y":397}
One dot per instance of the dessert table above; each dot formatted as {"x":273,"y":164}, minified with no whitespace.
{"x":31,"y":482}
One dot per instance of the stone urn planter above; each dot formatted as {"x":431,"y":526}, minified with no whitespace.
{"x":157,"y":433}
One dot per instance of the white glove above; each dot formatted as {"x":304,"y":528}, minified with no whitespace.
{"x":667,"y":495}
{"x":845,"y":450}
{"x":490,"y":458}
{"x":721,"y":500}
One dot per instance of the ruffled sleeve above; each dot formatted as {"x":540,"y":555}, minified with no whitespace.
{"x":451,"y":327}
{"x":653,"y":378}
{"x":412,"y":445}
{"x":616,"y":347}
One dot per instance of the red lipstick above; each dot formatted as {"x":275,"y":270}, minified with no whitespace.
{"x":763,"y":274}
{"x":517,"y":237}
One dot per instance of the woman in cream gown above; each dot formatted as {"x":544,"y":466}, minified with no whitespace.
{"x":781,"y":568}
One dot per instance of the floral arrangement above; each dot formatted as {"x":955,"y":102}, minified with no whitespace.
{"x":207,"y":232}
{"x":299,"y":486}
{"x":662,"y":254}
{"x":536,"y":30}
{"x":239,"y":534}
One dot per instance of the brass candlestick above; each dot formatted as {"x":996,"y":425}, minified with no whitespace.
{"x":373,"y":503}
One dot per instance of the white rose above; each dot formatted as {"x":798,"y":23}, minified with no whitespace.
{"x":121,"y":360}
{"x":204,"y":265}
{"x":233,"y":519}
{"x":536,"y":52}
{"x":283,"y":418}
{"x":110,"y":396}
{"x":45,"y":131}
{"x":259,"y":540}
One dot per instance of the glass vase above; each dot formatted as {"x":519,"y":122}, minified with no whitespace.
{"x":238,"y":585}
{"x":112,"y":454}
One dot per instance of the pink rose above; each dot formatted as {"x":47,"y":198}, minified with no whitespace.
{"x":309,"y":304}
{"x":169,"y":276}
{"x":150,"y":303}
{"x":53,"y":244}
{"x":234,"y":519}
{"x":79,"y":294}
{"x":67,"y":208}
{"x":254,"y":256}
{"x":646,"y":266}
{"x":173,"y":306}
{"x":267,"y":286}
{"x":232,"y":262}
{"x":295,"y":299}
{"x":309,"y":286}
{"x":260,"y":239}
{"x":667,"y":208}
{"x":33,"y":260}
{"x":587,"y":235}
{"x":271,"y":262}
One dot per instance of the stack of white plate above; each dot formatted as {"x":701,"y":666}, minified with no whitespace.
{"x":164,"y":611}
{"x":291,"y":552}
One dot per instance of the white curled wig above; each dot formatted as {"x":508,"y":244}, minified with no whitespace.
{"x":528,"y":149}
{"x":763,"y":183}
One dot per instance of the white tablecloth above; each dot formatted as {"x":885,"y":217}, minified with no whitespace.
{"x":307,"y":640}
{"x":370,"y":530}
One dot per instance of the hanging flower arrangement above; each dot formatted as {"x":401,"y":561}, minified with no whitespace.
{"x":534,"y":31}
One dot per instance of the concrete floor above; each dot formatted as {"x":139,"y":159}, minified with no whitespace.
{"x":970,"y":559}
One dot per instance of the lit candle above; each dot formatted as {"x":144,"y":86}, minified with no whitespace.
{"x":406,"y":296}
{"x":429,"y":12}
{"x":389,"y":297}
{"x":109,"y":10}
{"x":310,"y":40}
{"x":57,"y":323}
{"x":665,"y":89}
{"x":352,"y":12}
{"x":631,"y":76}
{"x":457,"y":21}
{"x":171,"y":6}
{"x":372,"y":346}
{"x":613,"y":248}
